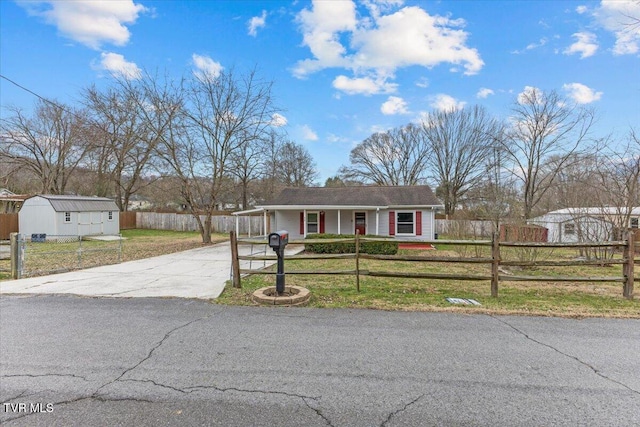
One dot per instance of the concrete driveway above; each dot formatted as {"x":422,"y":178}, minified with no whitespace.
{"x":196,"y":273}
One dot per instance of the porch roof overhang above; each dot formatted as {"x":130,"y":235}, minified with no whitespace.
{"x":342,"y":207}
{"x":248,"y":211}
{"x":319,"y":207}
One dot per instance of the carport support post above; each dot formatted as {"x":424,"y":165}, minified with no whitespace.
{"x":15,"y":255}
{"x":235,"y":262}
{"x":495,"y":263}
{"x":358,"y":260}
{"x":627,"y":268}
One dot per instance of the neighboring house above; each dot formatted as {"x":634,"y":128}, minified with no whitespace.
{"x":587,"y":224}
{"x":10,"y":202}
{"x":137,"y":203}
{"x":384,"y":211}
{"x":69,"y":216}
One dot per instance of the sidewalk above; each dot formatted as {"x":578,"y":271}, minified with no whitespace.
{"x":196,"y":273}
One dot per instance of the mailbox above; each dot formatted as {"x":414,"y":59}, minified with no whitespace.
{"x":278,"y":240}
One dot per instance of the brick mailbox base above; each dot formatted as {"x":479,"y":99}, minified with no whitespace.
{"x":292,"y":295}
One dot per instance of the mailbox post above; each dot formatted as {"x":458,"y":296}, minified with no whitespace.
{"x":278,"y":241}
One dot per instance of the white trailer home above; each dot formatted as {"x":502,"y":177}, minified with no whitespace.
{"x":68,"y":216}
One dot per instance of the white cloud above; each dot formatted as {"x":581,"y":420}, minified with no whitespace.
{"x":116,"y":65}
{"x":540,"y":43}
{"x":615,"y":16}
{"x":445,"y":102}
{"x":585,"y":45}
{"x":530,"y":95}
{"x":581,"y":9}
{"x":257,"y":22}
{"x":423,"y":82}
{"x":394,"y":105}
{"x":363,"y":85}
{"x":581,"y":94}
{"x":308,"y":133}
{"x":484,"y":93}
{"x":89,"y":22}
{"x":278,"y":120}
{"x":383,"y":41}
{"x":206,"y":68}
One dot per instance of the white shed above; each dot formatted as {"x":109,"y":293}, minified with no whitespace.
{"x":68,"y":216}
{"x":574,"y":225}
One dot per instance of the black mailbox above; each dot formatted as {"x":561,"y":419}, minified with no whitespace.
{"x":278,"y":240}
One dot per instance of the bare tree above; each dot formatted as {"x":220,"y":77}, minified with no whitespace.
{"x":218,"y":116}
{"x":543,"y":126}
{"x":459,"y":142}
{"x":295,"y":166}
{"x":51,"y":143}
{"x":618,"y":173}
{"x":246,"y":166}
{"x":395,"y":157}
{"x":127,"y":136}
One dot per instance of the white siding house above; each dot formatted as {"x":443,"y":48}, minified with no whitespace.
{"x":68,"y":216}
{"x":401,"y":211}
{"x":573,"y":225}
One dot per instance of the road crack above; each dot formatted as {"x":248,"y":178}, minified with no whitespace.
{"x":150,"y":353}
{"x":317,"y":411}
{"x":43,"y":375}
{"x":570,"y":356}
{"x":404,"y":408}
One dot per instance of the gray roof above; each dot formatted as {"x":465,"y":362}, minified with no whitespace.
{"x":417,"y":195}
{"x":80,"y":203}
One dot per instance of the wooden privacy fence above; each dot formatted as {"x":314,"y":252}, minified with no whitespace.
{"x":8,"y":225}
{"x":495,"y":261}
{"x":128,"y":220}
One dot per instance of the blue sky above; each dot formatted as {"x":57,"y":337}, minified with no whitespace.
{"x":341,"y":69}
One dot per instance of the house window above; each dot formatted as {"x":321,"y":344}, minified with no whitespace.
{"x":313,"y":222}
{"x":405,"y":223}
{"x":569,"y":229}
{"x":633,"y":223}
{"x":110,"y":216}
{"x":67,"y":217}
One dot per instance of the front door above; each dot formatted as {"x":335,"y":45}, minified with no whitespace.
{"x":360,"y":220}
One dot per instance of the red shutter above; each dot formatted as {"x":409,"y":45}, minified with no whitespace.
{"x":418,"y":223}
{"x":302,"y":223}
{"x":392,"y":223}
{"x":321,"y":222}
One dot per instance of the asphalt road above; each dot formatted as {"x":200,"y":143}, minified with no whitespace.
{"x":97,"y":362}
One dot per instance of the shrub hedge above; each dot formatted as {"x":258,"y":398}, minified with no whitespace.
{"x":377,"y":248}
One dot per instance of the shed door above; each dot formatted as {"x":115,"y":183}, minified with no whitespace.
{"x":96,"y":222}
{"x":84,"y":223}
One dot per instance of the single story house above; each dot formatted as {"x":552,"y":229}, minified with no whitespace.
{"x":402,"y":211}
{"x":574,"y":225}
{"x":69,"y":216}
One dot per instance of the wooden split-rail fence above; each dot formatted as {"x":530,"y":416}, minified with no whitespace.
{"x":626,"y":247}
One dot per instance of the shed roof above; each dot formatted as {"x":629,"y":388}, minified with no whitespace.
{"x":80,"y":203}
{"x":378,"y":196}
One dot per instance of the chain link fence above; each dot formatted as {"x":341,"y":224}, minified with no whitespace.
{"x":41,"y":254}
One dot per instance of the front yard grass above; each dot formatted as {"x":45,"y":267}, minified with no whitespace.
{"x":567,"y":299}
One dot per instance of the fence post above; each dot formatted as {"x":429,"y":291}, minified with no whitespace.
{"x":358,"y":260}
{"x":627,"y":267}
{"x":495,"y":263}
{"x":15,"y":256}
{"x":235,"y":262}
